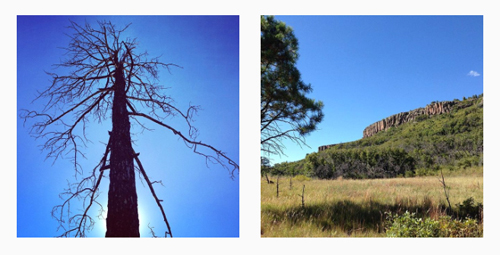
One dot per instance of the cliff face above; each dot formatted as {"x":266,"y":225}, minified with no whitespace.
{"x":324,"y":147}
{"x":404,"y":117}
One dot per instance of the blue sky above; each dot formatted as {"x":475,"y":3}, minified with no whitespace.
{"x":198,"y":201}
{"x":366,"y":68}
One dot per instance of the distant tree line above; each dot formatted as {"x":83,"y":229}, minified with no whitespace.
{"x":360,"y":163}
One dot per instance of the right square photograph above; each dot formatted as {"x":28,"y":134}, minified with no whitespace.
{"x":371,"y":126}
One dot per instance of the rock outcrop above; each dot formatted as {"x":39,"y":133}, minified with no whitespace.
{"x":324,"y":147}
{"x":404,"y":117}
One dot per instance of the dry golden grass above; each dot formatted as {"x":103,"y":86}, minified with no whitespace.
{"x":336,"y":208}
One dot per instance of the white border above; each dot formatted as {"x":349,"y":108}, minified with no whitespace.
{"x":250,"y":240}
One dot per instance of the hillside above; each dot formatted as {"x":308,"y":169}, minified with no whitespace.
{"x":443,"y":134}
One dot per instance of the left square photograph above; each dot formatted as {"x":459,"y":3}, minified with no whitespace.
{"x":128,"y":126}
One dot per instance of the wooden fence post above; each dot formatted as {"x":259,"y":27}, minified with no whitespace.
{"x":303,"y":188}
{"x":278,"y":186}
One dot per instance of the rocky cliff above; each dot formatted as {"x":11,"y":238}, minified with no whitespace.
{"x":324,"y":147}
{"x":404,"y":117}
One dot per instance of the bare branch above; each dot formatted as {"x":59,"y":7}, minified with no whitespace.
{"x":150,"y":184}
{"x":82,"y":192}
{"x":58,"y":141}
{"x":195,"y":144}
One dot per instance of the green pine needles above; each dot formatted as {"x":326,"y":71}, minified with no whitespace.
{"x":286,"y":112}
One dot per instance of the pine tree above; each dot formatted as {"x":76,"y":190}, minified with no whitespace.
{"x":286,"y":112}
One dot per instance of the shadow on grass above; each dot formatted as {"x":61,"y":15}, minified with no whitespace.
{"x":348,"y":216}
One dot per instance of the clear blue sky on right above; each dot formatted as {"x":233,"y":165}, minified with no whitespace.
{"x":366,"y":68}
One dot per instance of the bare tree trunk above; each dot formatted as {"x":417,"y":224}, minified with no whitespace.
{"x":123,"y":218}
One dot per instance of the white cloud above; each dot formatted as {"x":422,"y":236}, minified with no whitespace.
{"x":473,"y":73}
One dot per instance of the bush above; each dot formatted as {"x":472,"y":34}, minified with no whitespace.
{"x":469,"y":209}
{"x":301,"y":178}
{"x":424,"y":172}
{"x":460,"y":228}
{"x":409,"y":225}
{"x":361,"y":163}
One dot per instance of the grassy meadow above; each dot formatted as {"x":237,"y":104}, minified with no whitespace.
{"x":357,"y":208}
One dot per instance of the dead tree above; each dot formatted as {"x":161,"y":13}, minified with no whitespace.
{"x":107,"y":76}
{"x":446,"y":191}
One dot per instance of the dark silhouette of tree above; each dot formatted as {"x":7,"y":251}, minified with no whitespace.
{"x":265,"y":167}
{"x":285,"y":111}
{"x":108,"y":76}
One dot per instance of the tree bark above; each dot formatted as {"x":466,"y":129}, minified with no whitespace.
{"x":122,"y":218}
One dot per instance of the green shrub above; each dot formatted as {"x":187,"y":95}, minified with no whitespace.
{"x":426,"y":172}
{"x":409,"y":225}
{"x":421,"y":117}
{"x":469,"y":209}
{"x":301,"y":177}
{"x":460,"y":228}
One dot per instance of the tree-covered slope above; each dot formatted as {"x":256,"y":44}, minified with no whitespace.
{"x":420,"y":146}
